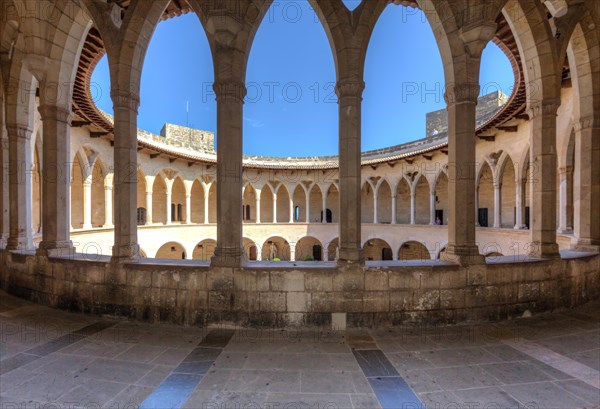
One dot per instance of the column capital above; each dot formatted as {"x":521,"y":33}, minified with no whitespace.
{"x":19,"y":131}
{"x":586,"y":123}
{"x":128,"y":100}
{"x":477,"y":35}
{"x":565,"y":170}
{"x":462,"y":93}
{"x":230,"y":90}
{"x":349,"y":88}
{"x":55,"y":113}
{"x":543,"y":107}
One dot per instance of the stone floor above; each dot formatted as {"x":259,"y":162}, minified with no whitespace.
{"x":77,"y":361}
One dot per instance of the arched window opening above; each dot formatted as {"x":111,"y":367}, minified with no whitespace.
{"x":294,"y":94}
{"x":377,"y":249}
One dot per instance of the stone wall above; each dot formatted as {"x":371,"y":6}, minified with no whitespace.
{"x":281,"y":296}
{"x":487,"y":106}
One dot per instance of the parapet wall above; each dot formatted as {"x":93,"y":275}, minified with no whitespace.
{"x":284,"y":296}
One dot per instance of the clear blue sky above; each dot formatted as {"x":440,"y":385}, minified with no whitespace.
{"x":291,"y":107}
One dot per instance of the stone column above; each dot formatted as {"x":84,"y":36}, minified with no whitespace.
{"x":206,"y":203}
{"x":497,"y":205}
{"x":292,"y":252}
{"x":432,"y":208}
{"x":542,"y":116}
{"x":307,"y":215}
{"x":375,"y":206}
{"x":188,"y":209}
{"x":462,"y":100}
{"x":476,"y":205}
{"x":87,"y":204}
{"x":564,"y":175}
{"x":291,"y":209}
{"x":56,"y":182}
{"x":19,"y":173}
{"x":520,"y":204}
{"x":586,"y":195}
{"x":274,"y":207}
{"x":4,"y":221}
{"x":257,"y":193}
{"x":148,"y":207}
{"x":126,"y":245}
{"x":169,"y":209}
{"x":349,"y":92}
{"x":108,"y":206}
{"x":324,"y":206}
{"x":325,"y":254}
{"x":394,"y":204}
{"x":230,"y":102}
{"x":413,"y":205}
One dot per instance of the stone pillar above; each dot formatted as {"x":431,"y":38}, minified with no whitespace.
{"x":564,"y":175}
{"x":307,"y":216}
{"x":56,"y":182}
{"x":188,"y":209}
{"x":169,"y":209}
{"x":349,"y":92}
{"x":462,"y":100}
{"x":324,"y":206}
{"x":520,"y":204}
{"x":476,"y":205}
{"x":292,"y":252}
{"x":375,"y":205}
{"x":148,"y":207}
{"x":206,"y":203}
{"x":87,"y":204}
{"x":542,"y":116}
{"x":291,"y":208}
{"x":19,"y":173}
{"x":586,"y":179}
{"x":413,"y":205}
{"x":325,"y":254}
{"x":394,"y":204}
{"x":274,"y":208}
{"x":108,"y":206}
{"x":257,"y":193}
{"x":230,"y":102}
{"x":4,"y":221}
{"x":497,"y":205}
{"x":126,"y":245}
{"x":432,"y":208}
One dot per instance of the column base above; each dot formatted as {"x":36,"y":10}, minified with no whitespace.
{"x":586,"y":245}
{"x":462,"y":255}
{"x":108,"y":226}
{"x":348,"y":256}
{"x":520,"y":227}
{"x":232,"y":258}
{"x":125,"y":253}
{"x":87,"y":227}
{"x":56,"y":249}
{"x":544,"y":250}
{"x":19,"y":243}
{"x":568,"y":230}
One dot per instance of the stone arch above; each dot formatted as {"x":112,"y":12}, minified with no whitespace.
{"x":506,"y":177}
{"x":384,"y":203}
{"x":251,"y":249}
{"x":367,"y":202}
{"x":178,"y":200}
{"x":78,"y":176}
{"x":276,"y":248}
{"x":422,"y":200}
{"x":306,"y":251}
{"x":212,"y":203}
{"x":485,"y":194}
{"x":171,"y":250}
{"x":332,"y":249}
{"x":283,"y":204}
{"x":197,"y":202}
{"x":98,"y":194}
{"x":403,"y":202}
{"x":413,"y":250}
{"x":204,"y":250}
{"x":441,"y":198}
{"x":333,"y":203}
{"x":376,"y":249}
{"x":266,"y":204}
{"x":159,"y":200}
{"x":300,"y":214}
{"x":249,"y":203}
{"x":316,"y":204}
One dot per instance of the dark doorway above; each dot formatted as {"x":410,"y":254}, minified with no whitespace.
{"x":252,"y":255}
{"x":439,"y":215}
{"x":329,"y":216}
{"x":386,"y":254}
{"x":483,"y":217}
{"x":527,"y":216}
{"x":317,"y":252}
